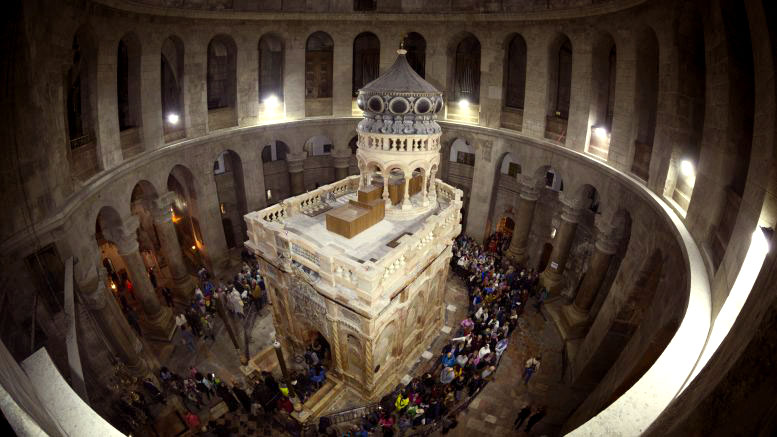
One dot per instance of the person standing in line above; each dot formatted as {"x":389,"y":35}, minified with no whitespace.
{"x":168,"y":295}
{"x":536,"y":417}
{"x":180,"y":320}
{"x":532,"y":366}
{"x":522,"y":415}
{"x":188,"y":339}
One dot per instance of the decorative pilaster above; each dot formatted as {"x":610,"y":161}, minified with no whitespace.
{"x":183,"y":283}
{"x":526,"y":204}
{"x":562,"y":243}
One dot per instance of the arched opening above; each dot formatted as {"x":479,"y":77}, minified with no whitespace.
{"x":602,"y":96}
{"x":319,"y":168}
{"x":185,"y":216}
{"x":80,"y":85}
{"x":465,"y":74}
{"x":115,"y":269}
{"x":559,"y":88}
{"x":506,"y":192}
{"x":271,"y":76}
{"x":228,"y":175}
{"x":276,"y":172}
{"x":514,"y":83}
{"x":366,"y":60}
{"x":222,"y":82}
{"x":460,"y":170}
{"x":172,"y":86}
{"x":415,"y":44}
{"x":128,"y":94}
{"x":681,"y":174}
{"x":645,"y":102}
{"x":319,"y":51}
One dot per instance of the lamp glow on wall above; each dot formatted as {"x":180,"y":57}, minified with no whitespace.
{"x":464,"y":104}
{"x":272,"y":106}
{"x":173,"y":118}
{"x":748,"y":272}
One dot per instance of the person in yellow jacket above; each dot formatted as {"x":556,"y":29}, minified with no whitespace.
{"x":401,"y":402}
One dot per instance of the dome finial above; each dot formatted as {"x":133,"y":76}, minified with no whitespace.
{"x":402,"y":50}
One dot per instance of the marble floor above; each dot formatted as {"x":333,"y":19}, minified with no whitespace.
{"x":491,"y":413}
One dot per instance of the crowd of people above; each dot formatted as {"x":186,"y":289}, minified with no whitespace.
{"x":498,"y":292}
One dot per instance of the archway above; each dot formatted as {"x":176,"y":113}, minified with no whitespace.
{"x":559,"y":88}
{"x":128,"y":95}
{"x":222,"y":82}
{"x":271,"y":58}
{"x":81,"y":106}
{"x":276,"y":172}
{"x":185,"y":216}
{"x":230,"y":188}
{"x":415,"y":44}
{"x":319,"y":52}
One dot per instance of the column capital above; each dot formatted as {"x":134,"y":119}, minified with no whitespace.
{"x":570,"y":210}
{"x":162,"y":207}
{"x":296,"y":162}
{"x":607,"y":236}
{"x":528,"y":187}
{"x":125,"y":235}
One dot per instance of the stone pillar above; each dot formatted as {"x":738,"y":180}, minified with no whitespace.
{"x":158,"y":322}
{"x":151,"y":98}
{"x":536,"y":97}
{"x":341,"y":161}
{"x":107,"y":123}
{"x":526,"y":204}
{"x":406,"y":204}
{"x":247,"y":85}
{"x":579,"y":122}
{"x":604,"y":248}
{"x":123,"y":342}
{"x":424,"y":192}
{"x":386,"y":197}
{"x":341,"y":77}
{"x":195,"y":98}
{"x":183,"y":284}
{"x":294,"y":77}
{"x":296,"y":163}
{"x":565,"y":235}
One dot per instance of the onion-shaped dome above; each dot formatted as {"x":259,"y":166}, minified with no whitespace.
{"x":400,"y":102}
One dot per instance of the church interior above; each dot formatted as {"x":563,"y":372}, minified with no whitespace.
{"x":388,"y":217}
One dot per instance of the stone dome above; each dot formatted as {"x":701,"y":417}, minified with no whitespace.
{"x":400,"y":102}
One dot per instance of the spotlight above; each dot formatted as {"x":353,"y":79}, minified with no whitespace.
{"x":172,"y":118}
{"x":194,"y":247}
{"x":463,"y":103}
{"x":600,"y":132}
{"x":271,"y":102}
{"x":686,"y":168}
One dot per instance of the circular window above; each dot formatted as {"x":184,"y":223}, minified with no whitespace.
{"x":438,"y":106}
{"x":399,"y":105}
{"x":423,"y":105}
{"x":375,"y":103}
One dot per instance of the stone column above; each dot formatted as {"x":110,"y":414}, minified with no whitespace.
{"x":565,"y":235}
{"x":294,"y":77}
{"x":432,"y":187}
{"x":151,"y":97}
{"x":123,"y":342}
{"x":424,"y":192}
{"x":578,"y":124}
{"x":523,"y":221}
{"x":296,"y":163}
{"x":106,"y":125}
{"x":406,"y":204}
{"x":341,"y":161}
{"x":341,"y":77}
{"x":195,"y":98}
{"x":158,"y":322}
{"x":386,"y":197}
{"x":183,"y":284}
{"x":604,"y":248}
{"x":536,"y":98}
{"x":247,"y":64}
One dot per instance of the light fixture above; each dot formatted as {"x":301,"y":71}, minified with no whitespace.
{"x":600,"y":132}
{"x":463,"y":103}
{"x":113,"y":286}
{"x":686,"y":168}
{"x":553,"y":233}
{"x":194,"y":247}
{"x":173,"y":118}
{"x":271,"y":101}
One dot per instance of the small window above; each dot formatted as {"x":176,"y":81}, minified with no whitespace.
{"x":513,"y":169}
{"x":364,"y":5}
{"x":465,"y":158}
{"x":327,"y":148}
{"x":549,"y":177}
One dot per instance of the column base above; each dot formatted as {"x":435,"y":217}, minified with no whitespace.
{"x":552,"y":281}
{"x":184,"y":287}
{"x":518,"y":255}
{"x":570,"y":322}
{"x":160,"y":328}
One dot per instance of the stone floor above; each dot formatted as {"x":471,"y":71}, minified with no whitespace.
{"x":491,"y":413}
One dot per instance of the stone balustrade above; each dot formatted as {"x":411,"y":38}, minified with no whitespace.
{"x":399,"y":143}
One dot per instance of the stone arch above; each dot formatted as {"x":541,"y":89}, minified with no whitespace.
{"x":230,"y":189}
{"x":514,"y":71}
{"x":464,"y":66}
{"x":84,"y":155}
{"x":559,"y":76}
{"x":546,"y":176}
{"x":366,"y":60}
{"x":602,"y":106}
{"x":181,"y":181}
{"x":464,"y":146}
{"x":221,"y":82}
{"x":171,"y":82}
{"x":384,"y":347}
{"x":319,"y":63}
{"x":271,"y":48}
{"x":645,"y":100}
{"x":128,"y":90}
{"x":318,"y":145}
